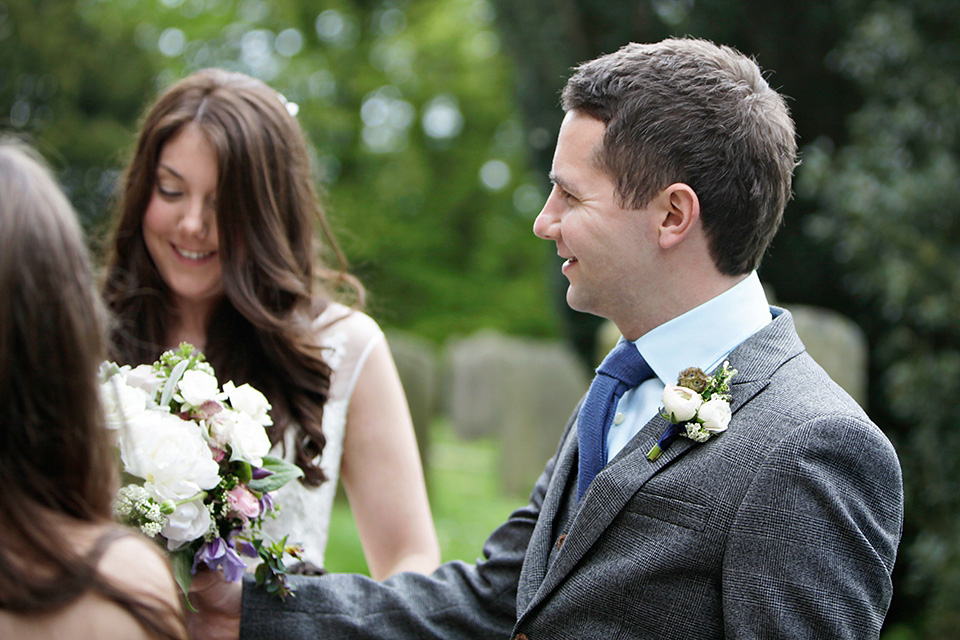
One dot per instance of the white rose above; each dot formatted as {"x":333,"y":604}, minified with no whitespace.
{"x":121,"y":402}
{"x":144,"y":377}
{"x":250,"y":401}
{"x":680,"y":402}
{"x":170,"y":454}
{"x":247,"y":439}
{"x":715,"y":414}
{"x":190,"y":521}
{"x":197,"y":387}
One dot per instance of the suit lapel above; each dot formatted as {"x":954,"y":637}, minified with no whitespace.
{"x":609,"y":492}
{"x":541,"y":542}
{"x":755,"y":360}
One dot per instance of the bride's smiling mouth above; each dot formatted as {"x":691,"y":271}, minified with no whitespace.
{"x":193,"y":255}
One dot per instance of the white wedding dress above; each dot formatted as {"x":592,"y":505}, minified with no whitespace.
{"x":304,"y":512}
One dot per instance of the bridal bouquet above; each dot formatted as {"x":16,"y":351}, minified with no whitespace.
{"x":195,"y":467}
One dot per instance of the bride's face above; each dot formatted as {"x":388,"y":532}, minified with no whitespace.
{"x":180,"y":223}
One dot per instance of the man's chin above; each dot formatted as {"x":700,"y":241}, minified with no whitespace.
{"x":578,"y":303}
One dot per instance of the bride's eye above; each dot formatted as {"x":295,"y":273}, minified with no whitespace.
{"x":167,"y":192}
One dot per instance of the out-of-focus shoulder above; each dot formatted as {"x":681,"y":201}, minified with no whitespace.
{"x":138,"y":566}
{"x":339,"y":317}
{"x":130,"y":563}
{"x":152,"y":570}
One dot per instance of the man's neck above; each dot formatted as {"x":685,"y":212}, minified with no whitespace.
{"x":675,"y":301}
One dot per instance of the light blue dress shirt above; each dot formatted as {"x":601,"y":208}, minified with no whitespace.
{"x":702,"y":337}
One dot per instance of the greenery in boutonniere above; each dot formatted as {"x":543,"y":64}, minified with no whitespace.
{"x":698,"y":406}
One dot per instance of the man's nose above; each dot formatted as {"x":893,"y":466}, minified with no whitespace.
{"x":548,"y":218}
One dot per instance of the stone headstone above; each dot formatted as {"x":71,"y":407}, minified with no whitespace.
{"x":519,"y":390}
{"x":474,"y":391}
{"x":837,"y":344}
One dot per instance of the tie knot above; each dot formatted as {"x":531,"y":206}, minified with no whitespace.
{"x":626,"y":365}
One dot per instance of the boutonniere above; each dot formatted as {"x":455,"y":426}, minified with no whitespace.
{"x":698,"y":407}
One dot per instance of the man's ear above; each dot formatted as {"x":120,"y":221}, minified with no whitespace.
{"x":681,"y":209}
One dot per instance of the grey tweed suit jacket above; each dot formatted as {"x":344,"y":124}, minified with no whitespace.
{"x":784,"y":526}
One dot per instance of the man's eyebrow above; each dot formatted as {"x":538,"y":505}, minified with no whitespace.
{"x":560,"y":182}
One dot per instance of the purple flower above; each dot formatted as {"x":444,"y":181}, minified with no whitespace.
{"x":259,"y":473}
{"x":242,"y":546}
{"x":266,"y":503}
{"x":217,"y":554}
{"x":247,"y":549}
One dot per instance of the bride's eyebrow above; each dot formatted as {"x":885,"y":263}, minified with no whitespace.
{"x":170,"y":170}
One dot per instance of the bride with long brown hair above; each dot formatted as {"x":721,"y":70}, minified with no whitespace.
{"x":221,"y":241}
{"x":66,"y":571}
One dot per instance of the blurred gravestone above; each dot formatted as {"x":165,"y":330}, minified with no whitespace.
{"x":519,"y":390}
{"x":417,"y":365}
{"x":837,"y":344}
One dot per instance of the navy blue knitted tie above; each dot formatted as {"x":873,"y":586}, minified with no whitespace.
{"x":622,"y":369}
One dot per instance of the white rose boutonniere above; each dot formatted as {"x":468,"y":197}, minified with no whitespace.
{"x":715,"y":414}
{"x":698,"y":407}
{"x":680,"y":403}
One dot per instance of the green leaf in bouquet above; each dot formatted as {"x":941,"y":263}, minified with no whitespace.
{"x":244,"y":472}
{"x":271,"y":573}
{"x":182,"y":562}
{"x":282,"y":472}
{"x":172,"y":381}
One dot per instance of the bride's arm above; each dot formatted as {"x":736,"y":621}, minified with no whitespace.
{"x":382,"y":473}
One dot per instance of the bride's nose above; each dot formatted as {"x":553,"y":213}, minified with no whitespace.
{"x":195,"y":218}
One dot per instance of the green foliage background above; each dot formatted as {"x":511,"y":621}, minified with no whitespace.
{"x":437,"y":226}
{"x":433,"y":124}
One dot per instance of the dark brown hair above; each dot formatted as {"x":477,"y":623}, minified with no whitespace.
{"x":272,"y":271}
{"x":687,"y":110}
{"x":55,"y":458}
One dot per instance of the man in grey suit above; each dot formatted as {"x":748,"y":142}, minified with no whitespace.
{"x":671,"y":172}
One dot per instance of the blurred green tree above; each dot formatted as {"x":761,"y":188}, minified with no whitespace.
{"x":417,"y":144}
{"x":62,"y":90}
{"x":890,"y":210}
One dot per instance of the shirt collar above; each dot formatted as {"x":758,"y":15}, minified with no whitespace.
{"x":705,"y":335}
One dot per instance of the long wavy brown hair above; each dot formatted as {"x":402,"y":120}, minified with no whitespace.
{"x":272,"y":264}
{"x":55,"y":459}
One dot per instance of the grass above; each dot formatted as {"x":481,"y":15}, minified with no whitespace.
{"x":465,"y":498}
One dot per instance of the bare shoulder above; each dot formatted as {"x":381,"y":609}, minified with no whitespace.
{"x":138,"y":567}
{"x":133,"y":562}
{"x":338,"y":317}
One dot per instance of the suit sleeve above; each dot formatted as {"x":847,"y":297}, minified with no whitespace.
{"x":812,"y":547}
{"x":458,"y":600}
